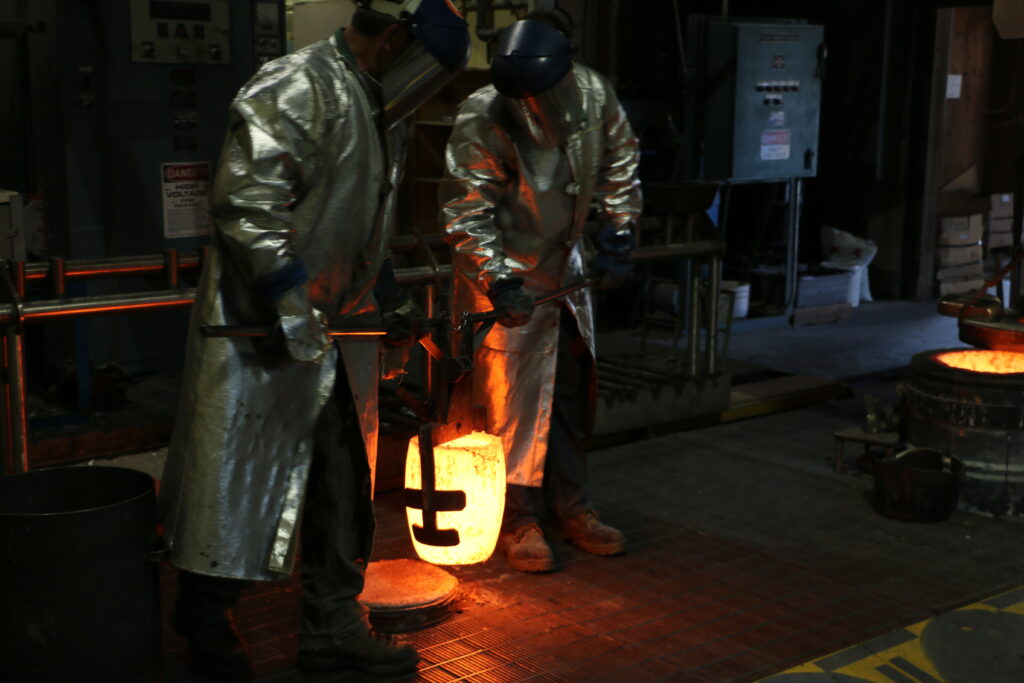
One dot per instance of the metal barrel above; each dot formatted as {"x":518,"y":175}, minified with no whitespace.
{"x":80,"y":599}
{"x":976,"y":417}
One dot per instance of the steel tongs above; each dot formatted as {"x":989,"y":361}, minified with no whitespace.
{"x":444,"y":319}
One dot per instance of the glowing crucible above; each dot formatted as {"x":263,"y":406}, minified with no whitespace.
{"x":475,"y":464}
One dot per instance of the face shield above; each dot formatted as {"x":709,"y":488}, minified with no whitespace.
{"x":412,"y":80}
{"x":532,"y":68}
{"x":551,"y":117}
{"x":438,"y":51}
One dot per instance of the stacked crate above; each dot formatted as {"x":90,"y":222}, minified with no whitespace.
{"x":1000,"y":222}
{"x":959,"y":256}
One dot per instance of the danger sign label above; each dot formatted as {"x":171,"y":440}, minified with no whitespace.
{"x":186,"y":199}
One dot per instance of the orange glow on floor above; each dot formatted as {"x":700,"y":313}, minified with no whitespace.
{"x":981,"y":360}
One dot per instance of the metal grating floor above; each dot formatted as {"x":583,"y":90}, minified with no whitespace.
{"x":748,"y":556}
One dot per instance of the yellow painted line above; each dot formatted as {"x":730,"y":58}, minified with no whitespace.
{"x":905,"y":660}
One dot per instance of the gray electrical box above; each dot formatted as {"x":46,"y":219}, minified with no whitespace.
{"x":761,"y":98}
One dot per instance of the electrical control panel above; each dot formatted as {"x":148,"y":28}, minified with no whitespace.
{"x":129,"y":134}
{"x":181,"y":31}
{"x":268,"y":31}
{"x":761,"y":86}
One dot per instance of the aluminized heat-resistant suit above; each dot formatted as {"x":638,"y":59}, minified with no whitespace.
{"x":307,"y":176}
{"x":512,"y":209}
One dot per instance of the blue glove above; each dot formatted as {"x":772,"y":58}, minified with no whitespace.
{"x":613,"y":265}
{"x":513,"y":302}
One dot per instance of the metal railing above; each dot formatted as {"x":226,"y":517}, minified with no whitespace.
{"x":53,"y":275}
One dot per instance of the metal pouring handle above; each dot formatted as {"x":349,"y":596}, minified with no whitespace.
{"x":547,"y":298}
{"x":242,"y":331}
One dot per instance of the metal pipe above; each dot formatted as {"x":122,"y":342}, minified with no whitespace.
{"x":58,"y":277}
{"x":16,"y":405}
{"x":714,"y":285}
{"x":429,"y":292}
{"x":85,"y":269}
{"x":7,"y":463}
{"x":171,"y":274}
{"x":694,"y":325}
{"x":792,"y":244}
{"x":680,"y":250}
{"x":18,"y":273}
{"x":422,"y":275}
{"x":54,"y":309}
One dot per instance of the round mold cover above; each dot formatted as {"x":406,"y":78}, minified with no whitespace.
{"x":406,"y":595}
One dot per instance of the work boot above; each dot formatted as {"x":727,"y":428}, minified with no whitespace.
{"x":214,"y":645}
{"x":367,"y":651}
{"x":586,"y":531}
{"x":527,"y":551}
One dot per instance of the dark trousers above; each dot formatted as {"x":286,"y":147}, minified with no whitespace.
{"x":337,"y":534}
{"x":565,"y":492}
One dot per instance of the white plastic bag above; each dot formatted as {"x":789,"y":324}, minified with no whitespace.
{"x":841,"y":249}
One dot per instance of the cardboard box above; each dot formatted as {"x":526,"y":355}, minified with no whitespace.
{"x":960,"y":286}
{"x":999,"y":240}
{"x":955,"y":256}
{"x":960,"y":230}
{"x":975,"y":269}
{"x":1001,"y":206}
{"x":824,"y":289}
{"x":962,"y":203}
{"x":1000,"y":224}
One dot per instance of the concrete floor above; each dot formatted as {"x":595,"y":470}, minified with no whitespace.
{"x":749,"y":556}
{"x":880,"y":336}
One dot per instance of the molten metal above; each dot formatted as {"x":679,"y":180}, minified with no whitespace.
{"x":474,"y":463}
{"x":979,"y":360}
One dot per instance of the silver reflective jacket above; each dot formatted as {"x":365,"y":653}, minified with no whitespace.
{"x":512,"y":209}
{"x":305,"y":173}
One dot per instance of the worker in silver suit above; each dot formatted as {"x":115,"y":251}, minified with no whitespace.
{"x":278,"y":434}
{"x":526,"y":161}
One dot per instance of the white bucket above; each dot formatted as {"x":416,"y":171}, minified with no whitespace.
{"x":741,"y":304}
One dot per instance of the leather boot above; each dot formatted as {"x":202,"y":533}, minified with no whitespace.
{"x":366,"y":650}
{"x":527,"y":551}
{"x":214,"y":644}
{"x":587,"y":532}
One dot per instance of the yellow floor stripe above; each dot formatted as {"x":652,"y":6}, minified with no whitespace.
{"x":903,"y":661}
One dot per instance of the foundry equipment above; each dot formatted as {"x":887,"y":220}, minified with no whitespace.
{"x":460,"y":470}
{"x":968,"y":404}
{"x":454,"y":450}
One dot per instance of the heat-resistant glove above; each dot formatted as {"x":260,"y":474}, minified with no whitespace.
{"x":510,"y":300}
{"x":612,"y":266}
{"x":300,"y":327}
{"x":402,"y":319}
{"x":403,"y":325}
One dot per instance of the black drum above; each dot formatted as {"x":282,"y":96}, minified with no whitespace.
{"x":78,"y":586}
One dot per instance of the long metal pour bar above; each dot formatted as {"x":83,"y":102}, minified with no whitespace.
{"x":241,"y":331}
{"x":57,"y":271}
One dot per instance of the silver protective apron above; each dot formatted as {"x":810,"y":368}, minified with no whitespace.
{"x":304,"y":174}
{"x":512,"y":209}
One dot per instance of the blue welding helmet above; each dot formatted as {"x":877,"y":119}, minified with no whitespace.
{"x":531,"y":58}
{"x":439,"y":50}
{"x":532,"y":68}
